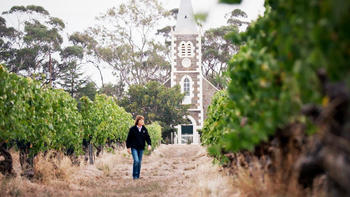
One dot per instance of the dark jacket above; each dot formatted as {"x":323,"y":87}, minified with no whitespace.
{"x":136,"y":139}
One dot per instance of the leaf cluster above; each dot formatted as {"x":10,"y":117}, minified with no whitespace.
{"x":155,"y":133}
{"x":275,"y":73}
{"x":104,"y":120}
{"x":46,"y":118}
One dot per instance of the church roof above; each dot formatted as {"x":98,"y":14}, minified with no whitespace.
{"x":185,"y":19}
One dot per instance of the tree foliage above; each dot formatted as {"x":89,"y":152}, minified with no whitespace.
{"x":156,"y":103}
{"x":217,"y":49}
{"x":113,"y":90}
{"x":72,"y":76}
{"x":216,"y":53}
{"x":91,"y":50}
{"x":34,"y":43}
{"x":126,"y":41}
{"x":89,"y":90}
{"x":5,"y":44}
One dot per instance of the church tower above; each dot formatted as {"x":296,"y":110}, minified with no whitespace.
{"x":186,"y":71}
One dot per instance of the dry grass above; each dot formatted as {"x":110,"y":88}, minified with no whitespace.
{"x":141,"y":189}
{"x":15,"y":186}
{"x":190,"y":168}
{"x":48,"y":169}
{"x":9,"y":186}
{"x":54,"y":176}
{"x":256,"y":183}
{"x":107,"y":162}
{"x":211,"y":182}
{"x":248,"y":181}
{"x":169,"y":171}
{"x":105,"y":169}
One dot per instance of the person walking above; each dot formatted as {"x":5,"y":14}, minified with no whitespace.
{"x":135,"y":144}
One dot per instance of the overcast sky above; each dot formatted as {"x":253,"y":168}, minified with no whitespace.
{"x":80,"y":14}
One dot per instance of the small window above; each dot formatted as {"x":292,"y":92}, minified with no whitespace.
{"x":187,"y":87}
{"x":186,"y":49}
{"x":189,"y":49}
{"x":183,"y":50}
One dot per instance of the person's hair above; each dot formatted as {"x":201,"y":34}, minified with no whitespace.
{"x":138,"y":117}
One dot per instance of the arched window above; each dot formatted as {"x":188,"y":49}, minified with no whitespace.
{"x":187,"y":87}
{"x":186,"y":84}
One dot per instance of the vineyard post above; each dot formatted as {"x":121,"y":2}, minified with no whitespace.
{"x":91,"y":158}
{"x":172,"y":138}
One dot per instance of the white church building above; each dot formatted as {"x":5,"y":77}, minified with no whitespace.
{"x":186,"y":71}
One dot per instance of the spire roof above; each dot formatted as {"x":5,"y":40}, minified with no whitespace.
{"x":185,"y":19}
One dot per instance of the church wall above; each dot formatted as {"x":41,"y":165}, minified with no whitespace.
{"x":195,"y":115}
{"x":194,"y":87}
{"x":209,"y":90}
{"x":178,"y":39}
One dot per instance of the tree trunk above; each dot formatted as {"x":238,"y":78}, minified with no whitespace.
{"x":101,"y":76}
{"x":99,"y":150}
{"x":26,"y":161}
{"x":6,"y":165}
{"x":329,"y":154}
{"x":172,"y":138}
{"x":99,"y":70}
{"x":50,"y":65}
{"x":74,"y":159}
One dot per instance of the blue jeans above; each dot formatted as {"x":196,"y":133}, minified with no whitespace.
{"x":137,"y":156}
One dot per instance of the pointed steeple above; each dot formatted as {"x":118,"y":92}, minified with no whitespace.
{"x":185,"y":19}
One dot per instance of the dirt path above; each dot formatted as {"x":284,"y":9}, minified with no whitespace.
{"x":171,"y":170}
